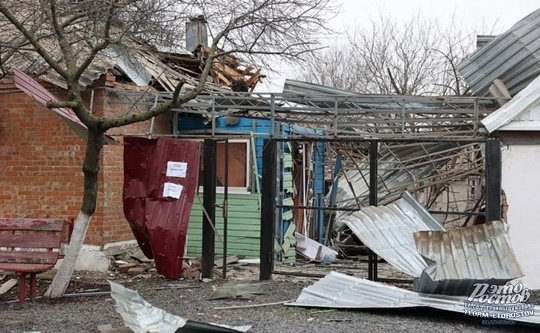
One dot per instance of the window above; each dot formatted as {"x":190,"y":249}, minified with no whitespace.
{"x":238,"y":166}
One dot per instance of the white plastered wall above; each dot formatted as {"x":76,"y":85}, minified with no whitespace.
{"x":521,"y":183}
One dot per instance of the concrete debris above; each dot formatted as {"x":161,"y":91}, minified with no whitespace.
{"x":6,"y":286}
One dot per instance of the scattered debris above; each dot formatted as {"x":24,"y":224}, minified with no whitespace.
{"x":176,"y":286}
{"x":313,"y":249}
{"x":141,"y":317}
{"x":388,"y":231}
{"x":252,"y":305}
{"x":6,"y":286}
{"x":109,"y":329}
{"x":230,"y":260}
{"x":238,"y":289}
{"x":190,"y":270}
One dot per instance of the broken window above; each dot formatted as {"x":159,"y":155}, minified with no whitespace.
{"x":236,"y":160}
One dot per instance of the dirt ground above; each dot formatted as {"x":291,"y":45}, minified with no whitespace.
{"x":87,"y":305}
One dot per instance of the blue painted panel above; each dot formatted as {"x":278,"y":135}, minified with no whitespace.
{"x":261,"y":128}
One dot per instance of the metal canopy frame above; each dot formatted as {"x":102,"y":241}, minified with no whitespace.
{"x":341,"y":117}
{"x":367,"y":117}
{"x":356,"y":124}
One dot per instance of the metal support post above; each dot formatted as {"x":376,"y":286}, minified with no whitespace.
{"x":373,"y":200}
{"x":209,"y":205}
{"x":268,"y":209}
{"x":493,"y":180}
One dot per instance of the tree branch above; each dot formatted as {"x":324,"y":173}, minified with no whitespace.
{"x":33,"y":40}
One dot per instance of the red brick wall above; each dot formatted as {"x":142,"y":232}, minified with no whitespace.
{"x":114,"y":226}
{"x":41,"y":160}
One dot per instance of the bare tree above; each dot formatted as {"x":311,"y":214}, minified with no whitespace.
{"x":81,"y":31}
{"x":413,"y":58}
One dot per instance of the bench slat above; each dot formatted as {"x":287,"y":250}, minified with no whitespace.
{"x":25,"y":268}
{"x":42,"y":240}
{"x":32,"y":224}
{"x":29,"y":257}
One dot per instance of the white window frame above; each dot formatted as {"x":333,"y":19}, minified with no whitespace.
{"x":236,"y":189}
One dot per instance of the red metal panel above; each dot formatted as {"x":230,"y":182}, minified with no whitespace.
{"x":159,"y":223}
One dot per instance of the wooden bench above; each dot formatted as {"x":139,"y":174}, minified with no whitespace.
{"x":32,"y":246}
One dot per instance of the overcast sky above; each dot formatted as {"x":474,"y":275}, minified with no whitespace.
{"x":468,"y":13}
{"x":469,"y":16}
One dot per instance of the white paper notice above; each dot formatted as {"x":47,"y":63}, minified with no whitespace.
{"x":176,"y":169}
{"x":172,"y":190}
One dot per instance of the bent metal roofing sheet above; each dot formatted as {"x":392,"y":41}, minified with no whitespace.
{"x":513,"y":57}
{"x":388,"y":231}
{"x":465,"y":256}
{"x":448,"y":262}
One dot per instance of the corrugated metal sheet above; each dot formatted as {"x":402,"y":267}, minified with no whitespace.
{"x":142,"y":317}
{"x":342,"y":291}
{"x":513,"y":57}
{"x":465,"y":256}
{"x":388,"y":231}
{"x":522,"y":112}
{"x":159,"y":222}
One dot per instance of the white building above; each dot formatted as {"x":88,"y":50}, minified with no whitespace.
{"x":517,"y":123}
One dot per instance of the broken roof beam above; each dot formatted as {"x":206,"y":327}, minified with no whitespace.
{"x":500,"y":92}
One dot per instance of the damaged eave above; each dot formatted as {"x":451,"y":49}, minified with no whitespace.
{"x":33,"y":89}
{"x":520,"y":113}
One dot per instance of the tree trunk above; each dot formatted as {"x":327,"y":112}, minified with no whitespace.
{"x":63,"y":276}
{"x":90,"y":170}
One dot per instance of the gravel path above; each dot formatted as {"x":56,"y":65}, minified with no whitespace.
{"x":190,"y":300}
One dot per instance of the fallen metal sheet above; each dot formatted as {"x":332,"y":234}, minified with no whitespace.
{"x":159,"y":218}
{"x":141,"y":317}
{"x":388,"y":231}
{"x":465,"y":256}
{"x":341,"y":291}
{"x":512,"y":57}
